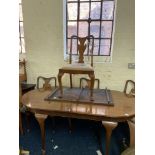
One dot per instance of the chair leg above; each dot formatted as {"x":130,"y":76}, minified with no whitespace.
{"x":53,"y":123}
{"x":70,"y":125}
{"x":71,"y":84}
{"x":92,"y":78}
{"x":132,"y":133}
{"x":60,"y":83}
{"x":20,"y":124}
{"x":28,"y":121}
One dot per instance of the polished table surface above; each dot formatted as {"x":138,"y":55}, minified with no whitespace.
{"x":123,"y":109}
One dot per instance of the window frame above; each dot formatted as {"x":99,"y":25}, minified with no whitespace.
{"x":98,"y":59}
{"x":21,"y":36}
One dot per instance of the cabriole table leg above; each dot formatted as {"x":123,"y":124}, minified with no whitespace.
{"x":109,"y":126}
{"x":41,"y":120}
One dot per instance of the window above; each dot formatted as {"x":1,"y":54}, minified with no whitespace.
{"x":91,"y":17}
{"x":21,"y":30}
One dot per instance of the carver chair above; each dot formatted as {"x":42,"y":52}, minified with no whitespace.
{"x":85,"y":47}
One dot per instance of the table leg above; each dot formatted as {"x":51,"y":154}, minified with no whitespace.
{"x":109,"y":126}
{"x":41,"y":120}
{"x":132,"y":133}
{"x":92,"y":78}
{"x":60,"y":83}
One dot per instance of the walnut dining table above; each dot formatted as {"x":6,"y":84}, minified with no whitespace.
{"x":123,"y":110}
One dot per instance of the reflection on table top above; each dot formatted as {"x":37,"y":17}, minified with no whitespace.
{"x":123,"y":106}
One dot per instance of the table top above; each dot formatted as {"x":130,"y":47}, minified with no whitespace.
{"x":123,"y":109}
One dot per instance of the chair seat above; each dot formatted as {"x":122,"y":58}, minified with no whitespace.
{"x":78,"y":67}
{"x":129,"y":151}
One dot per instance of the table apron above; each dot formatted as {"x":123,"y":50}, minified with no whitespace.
{"x":82,"y":116}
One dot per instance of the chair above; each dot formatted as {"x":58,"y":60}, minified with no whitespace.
{"x":22,"y":71}
{"x":109,"y":126}
{"x":22,"y":78}
{"x":129,"y":91}
{"x":46,"y":84}
{"x":131,"y":149}
{"x":85,"y":47}
{"x":24,"y":88}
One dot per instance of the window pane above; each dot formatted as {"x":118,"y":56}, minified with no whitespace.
{"x":96,"y":46}
{"x":83,"y":29}
{"x":19,"y":46}
{"x":72,"y":0}
{"x":95,"y":29}
{"x":84,"y":10}
{"x":23,"y":45}
{"x":20,"y":13}
{"x":107,"y":11}
{"x":105,"y":47}
{"x":74,"y":46}
{"x":72,"y":11}
{"x":21,"y":29}
{"x":106,"y":29}
{"x":72,"y":29}
{"x":95,"y":10}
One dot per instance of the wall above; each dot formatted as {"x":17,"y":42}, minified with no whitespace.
{"x":43,"y":26}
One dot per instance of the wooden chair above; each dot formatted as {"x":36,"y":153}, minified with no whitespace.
{"x":46,"y":84}
{"x":109,"y":126}
{"x":24,"y":87}
{"x":22,"y":71}
{"x":131,"y":149}
{"x":22,"y":78}
{"x":85,"y":46}
{"x":129,"y":91}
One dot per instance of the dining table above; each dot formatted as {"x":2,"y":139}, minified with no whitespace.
{"x":123,"y":109}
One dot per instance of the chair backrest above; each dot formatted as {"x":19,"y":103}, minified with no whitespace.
{"x":46,"y":85}
{"x":84,"y":46}
{"x":85,"y":83}
{"x":129,"y":89}
{"x":22,"y":71}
